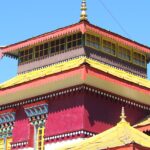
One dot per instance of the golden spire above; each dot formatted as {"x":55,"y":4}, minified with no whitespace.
{"x":83,"y":15}
{"x":123,"y":116}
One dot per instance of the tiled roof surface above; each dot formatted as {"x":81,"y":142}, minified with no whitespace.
{"x":120,"y":135}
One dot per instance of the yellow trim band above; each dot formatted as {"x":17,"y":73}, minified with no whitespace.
{"x":70,"y":64}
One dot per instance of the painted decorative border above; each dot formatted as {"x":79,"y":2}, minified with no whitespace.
{"x":56,"y":138}
{"x":74,"y":89}
{"x":69,"y":135}
{"x":20,"y":144}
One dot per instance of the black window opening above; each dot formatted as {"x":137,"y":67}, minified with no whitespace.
{"x":124,"y":53}
{"x":139,"y":59}
{"x":51,"y":48}
{"x":26,"y":55}
{"x":92,"y":41}
{"x":109,"y":47}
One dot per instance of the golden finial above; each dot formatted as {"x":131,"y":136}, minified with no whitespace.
{"x":83,"y":15}
{"x":123,"y":116}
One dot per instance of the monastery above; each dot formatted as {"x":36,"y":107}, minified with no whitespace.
{"x":71,"y":87}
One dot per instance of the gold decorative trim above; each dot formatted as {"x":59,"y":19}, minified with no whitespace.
{"x":73,"y":63}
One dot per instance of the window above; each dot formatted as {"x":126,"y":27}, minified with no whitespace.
{"x":92,"y":41}
{"x":52,"y":47}
{"x":124,"y":53}
{"x":74,"y":40}
{"x":41,"y":50}
{"x":109,"y":47}
{"x":40,"y":138}
{"x":139,"y":59}
{"x":58,"y":45}
{"x":26,"y":55}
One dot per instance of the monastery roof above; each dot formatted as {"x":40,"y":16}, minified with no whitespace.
{"x":72,"y":73}
{"x":144,"y":122}
{"x":83,"y":27}
{"x":70,"y":64}
{"x":120,"y":135}
{"x":143,"y":125}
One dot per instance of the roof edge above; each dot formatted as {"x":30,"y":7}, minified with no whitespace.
{"x":81,"y":26}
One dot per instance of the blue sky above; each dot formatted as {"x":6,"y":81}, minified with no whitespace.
{"x":20,"y":20}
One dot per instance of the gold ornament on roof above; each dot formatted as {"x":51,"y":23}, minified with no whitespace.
{"x":123,"y":116}
{"x":83,"y":15}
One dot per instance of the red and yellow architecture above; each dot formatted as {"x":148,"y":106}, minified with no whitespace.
{"x":120,"y":137}
{"x":71,"y":85}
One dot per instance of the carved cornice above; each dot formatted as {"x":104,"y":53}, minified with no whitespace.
{"x":37,"y":114}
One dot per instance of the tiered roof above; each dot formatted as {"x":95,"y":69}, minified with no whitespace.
{"x":83,"y":26}
{"x":83,"y":71}
{"x":108,"y":78}
{"x":70,"y":64}
{"x":68,"y":74}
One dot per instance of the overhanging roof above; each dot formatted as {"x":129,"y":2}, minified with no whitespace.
{"x":120,"y":135}
{"x":70,"y":64}
{"x":143,"y":125}
{"x":144,"y":122}
{"x":72,"y":73}
{"x":83,"y":27}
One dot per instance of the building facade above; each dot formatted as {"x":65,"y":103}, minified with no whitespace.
{"x":71,"y":85}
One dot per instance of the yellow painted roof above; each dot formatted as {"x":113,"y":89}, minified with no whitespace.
{"x":120,"y":135}
{"x":144,"y":122}
{"x":63,"y":66}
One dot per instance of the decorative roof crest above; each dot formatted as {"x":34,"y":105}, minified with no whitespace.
{"x":123,"y":116}
{"x":83,"y":15}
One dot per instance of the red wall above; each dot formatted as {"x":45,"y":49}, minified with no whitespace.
{"x":101,"y":112}
{"x":77,"y":111}
{"x":22,"y":129}
{"x":87,"y":111}
{"x":65,"y":114}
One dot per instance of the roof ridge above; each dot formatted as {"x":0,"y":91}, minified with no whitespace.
{"x":41,"y":35}
{"x":121,"y":36}
{"x":31,"y":41}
